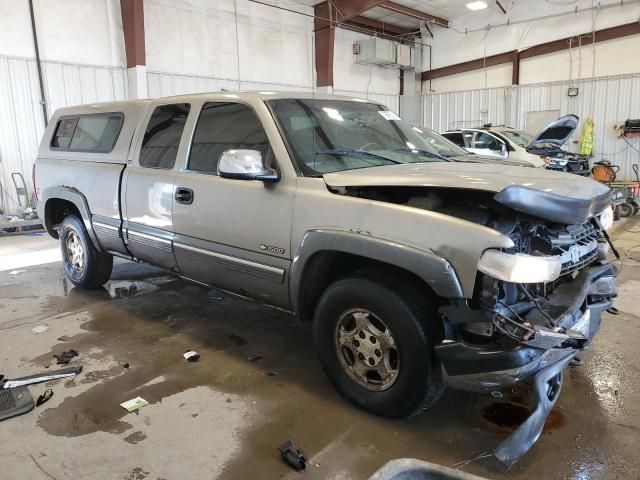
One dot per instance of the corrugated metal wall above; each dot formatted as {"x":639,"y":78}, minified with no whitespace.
{"x":161,"y":84}
{"x":608,"y":100}
{"x":21,"y":121}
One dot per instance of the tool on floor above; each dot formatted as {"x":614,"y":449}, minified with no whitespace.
{"x":294,"y":457}
{"x":39,"y":378}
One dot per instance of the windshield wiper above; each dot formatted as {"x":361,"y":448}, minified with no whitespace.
{"x":356,"y":153}
{"x":424,"y":153}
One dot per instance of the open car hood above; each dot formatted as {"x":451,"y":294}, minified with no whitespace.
{"x":556,"y":133}
{"x":546,"y":194}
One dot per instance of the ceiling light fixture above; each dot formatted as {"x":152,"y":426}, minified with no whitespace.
{"x":477,"y":5}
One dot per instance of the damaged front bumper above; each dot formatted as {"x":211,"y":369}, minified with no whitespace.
{"x":577,"y":308}
{"x":542,"y":353}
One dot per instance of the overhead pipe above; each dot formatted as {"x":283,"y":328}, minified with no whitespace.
{"x":43,"y":101}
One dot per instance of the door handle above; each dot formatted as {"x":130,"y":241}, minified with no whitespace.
{"x":184,"y":195}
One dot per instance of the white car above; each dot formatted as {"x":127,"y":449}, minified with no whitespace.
{"x":543,"y":150}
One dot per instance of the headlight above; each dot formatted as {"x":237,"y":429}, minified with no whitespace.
{"x":520,"y":267}
{"x":559,"y":161}
{"x":606,"y":218}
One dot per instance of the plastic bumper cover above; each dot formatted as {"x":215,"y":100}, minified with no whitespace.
{"x":501,"y":364}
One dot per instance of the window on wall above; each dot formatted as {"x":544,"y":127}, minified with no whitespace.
{"x":222,"y":127}
{"x":88,"y":133}
{"x":162,"y":136}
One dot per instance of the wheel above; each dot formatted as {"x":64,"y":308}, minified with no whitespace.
{"x":375,"y":344}
{"x":617,"y":212}
{"x":626,"y":210}
{"x":83,"y":264}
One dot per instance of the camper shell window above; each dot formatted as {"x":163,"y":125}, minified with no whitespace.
{"x":93,"y":133}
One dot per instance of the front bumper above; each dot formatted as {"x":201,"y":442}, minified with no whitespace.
{"x":577,"y":305}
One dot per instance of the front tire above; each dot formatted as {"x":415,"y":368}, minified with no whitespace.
{"x":375,"y":342}
{"x":85,"y":266}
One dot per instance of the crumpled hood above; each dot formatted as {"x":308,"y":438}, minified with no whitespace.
{"x":554,"y":196}
{"x":476,"y":176}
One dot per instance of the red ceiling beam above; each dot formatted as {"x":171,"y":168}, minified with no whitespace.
{"x":133,"y":26}
{"x":378,"y":26}
{"x":413,"y":13}
{"x":535,"y":51}
{"x":477,"y":64}
{"x":351,"y":8}
{"x":581,"y":40}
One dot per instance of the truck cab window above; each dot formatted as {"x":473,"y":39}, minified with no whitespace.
{"x":222,"y":127}
{"x":162,"y":136}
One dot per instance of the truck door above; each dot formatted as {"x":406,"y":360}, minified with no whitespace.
{"x":149,"y":184}
{"x":231,"y":233}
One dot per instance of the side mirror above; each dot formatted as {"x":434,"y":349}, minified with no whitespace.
{"x":245,"y":165}
{"x":503,"y":149}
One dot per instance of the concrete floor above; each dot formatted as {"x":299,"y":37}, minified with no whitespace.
{"x":224,"y":416}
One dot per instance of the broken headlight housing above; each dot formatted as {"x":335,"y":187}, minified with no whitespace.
{"x":520,"y":267}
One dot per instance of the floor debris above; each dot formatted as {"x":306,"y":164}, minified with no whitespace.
{"x":45,"y":397}
{"x":294,"y":457}
{"x":237,"y":340}
{"x":191,"y":356}
{"x":40,"y":329}
{"x":134,"y":404}
{"x":40,"y":378}
{"x":254,"y":358}
{"x":16,"y":272}
{"x":14,"y":402}
{"x":65,"y":357}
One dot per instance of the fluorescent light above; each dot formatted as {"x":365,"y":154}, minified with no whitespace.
{"x":477,"y":5}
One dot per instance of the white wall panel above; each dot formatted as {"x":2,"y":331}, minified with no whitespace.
{"x":471,"y":108}
{"x":389,"y":100}
{"x":162,"y":84}
{"x":608,"y":100}
{"x":21,"y":121}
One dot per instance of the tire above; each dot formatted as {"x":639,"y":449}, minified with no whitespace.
{"x":403,"y":311}
{"x":85,"y":266}
{"x":616,"y":212}
{"x":626,"y":210}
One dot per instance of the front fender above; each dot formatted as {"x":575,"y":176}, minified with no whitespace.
{"x":432,"y":269}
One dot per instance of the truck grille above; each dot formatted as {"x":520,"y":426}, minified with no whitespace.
{"x":576,"y":244}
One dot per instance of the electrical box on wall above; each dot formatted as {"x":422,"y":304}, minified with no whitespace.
{"x":376,"y":51}
{"x":404,"y":56}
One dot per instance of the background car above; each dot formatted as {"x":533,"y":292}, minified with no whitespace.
{"x":542,"y":150}
{"x":446,"y":148}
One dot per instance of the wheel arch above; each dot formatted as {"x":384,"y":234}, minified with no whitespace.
{"x":326,"y":255}
{"x":57,"y":202}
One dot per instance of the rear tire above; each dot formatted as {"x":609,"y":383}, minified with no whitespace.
{"x":85,"y":266}
{"x":356,"y":322}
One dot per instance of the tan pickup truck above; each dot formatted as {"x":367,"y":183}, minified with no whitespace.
{"x":416,"y":271}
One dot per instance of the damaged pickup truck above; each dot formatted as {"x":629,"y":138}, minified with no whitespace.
{"x":417,"y":272}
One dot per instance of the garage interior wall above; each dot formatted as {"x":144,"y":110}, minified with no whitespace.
{"x":607,"y":74}
{"x":191,"y":46}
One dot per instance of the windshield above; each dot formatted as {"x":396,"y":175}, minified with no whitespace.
{"x":522,"y":139}
{"x":333,"y":135}
{"x":444,"y":146}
